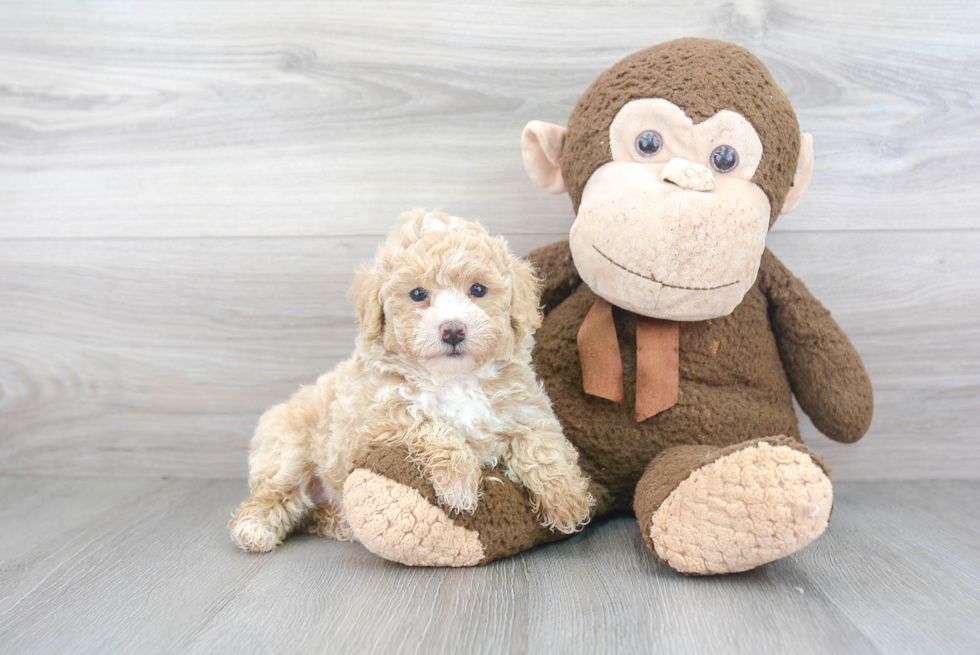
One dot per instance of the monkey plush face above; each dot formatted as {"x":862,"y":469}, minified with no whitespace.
{"x":678,"y":160}
{"x":673,"y":226}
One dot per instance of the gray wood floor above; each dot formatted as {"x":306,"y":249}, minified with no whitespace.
{"x":117,"y":565}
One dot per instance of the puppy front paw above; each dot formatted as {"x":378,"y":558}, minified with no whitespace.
{"x":456,"y":489}
{"x":565,"y":508}
{"x":252,"y":536}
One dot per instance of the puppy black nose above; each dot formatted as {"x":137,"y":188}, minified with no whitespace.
{"x":453,"y":333}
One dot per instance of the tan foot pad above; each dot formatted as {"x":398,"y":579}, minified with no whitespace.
{"x":743,"y":510}
{"x":395,"y":522}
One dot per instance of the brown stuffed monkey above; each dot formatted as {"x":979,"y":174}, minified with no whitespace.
{"x":673,"y":340}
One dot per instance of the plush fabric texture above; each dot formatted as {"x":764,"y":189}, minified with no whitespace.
{"x":689,"y":175}
{"x":746,"y":508}
{"x":543,"y":162}
{"x":733,"y":384}
{"x":666,"y":472}
{"x":817,"y":357}
{"x":728,"y":77}
{"x":396,"y":522}
{"x":504,"y":520}
{"x":671,"y":122}
{"x":665,"y":251}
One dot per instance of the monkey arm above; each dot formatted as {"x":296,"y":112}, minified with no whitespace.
{"x":554,"y":263}
{"x":824,"y":370}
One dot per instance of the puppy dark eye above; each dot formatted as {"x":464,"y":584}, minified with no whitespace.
{"x":724,"y":159}
{"x":418,"y":295}
{"x":649,"y":143}
{"x":478,"y":291}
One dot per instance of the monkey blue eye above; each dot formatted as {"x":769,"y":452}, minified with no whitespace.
{"x":418,"y":295}
{"x":724,"y":159}
{"x":649,"y":143}
{"x":478,"y":291}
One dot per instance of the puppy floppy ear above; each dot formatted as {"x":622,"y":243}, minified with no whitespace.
{"x":366,"y":295}
{"x":525,"y":304}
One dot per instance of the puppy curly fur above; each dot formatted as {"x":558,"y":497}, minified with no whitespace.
{"x":456,"y":407}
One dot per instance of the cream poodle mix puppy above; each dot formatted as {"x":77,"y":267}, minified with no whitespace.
{"x":442,"y":366}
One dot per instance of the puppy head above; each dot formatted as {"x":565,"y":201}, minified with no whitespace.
{"x":446,"y":294}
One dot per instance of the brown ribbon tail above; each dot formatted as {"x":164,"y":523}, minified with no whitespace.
{"x":657,"y":365}
{"x":598,"y":351}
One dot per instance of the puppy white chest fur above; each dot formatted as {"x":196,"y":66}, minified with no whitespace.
{"x":462,"y":403}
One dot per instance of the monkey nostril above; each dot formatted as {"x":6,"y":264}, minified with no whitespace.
{"x":453,"y":334}
{"x":687,"y":175}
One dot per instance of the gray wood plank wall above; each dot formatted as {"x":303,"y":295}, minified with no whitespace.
{"x":186,"y":188}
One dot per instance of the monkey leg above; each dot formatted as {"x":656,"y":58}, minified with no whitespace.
{"x":705,"y":510}
{"x":393,"y":511}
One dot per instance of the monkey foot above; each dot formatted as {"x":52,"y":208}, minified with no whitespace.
{"x":743,"y":510}
{"x":397,"y":523}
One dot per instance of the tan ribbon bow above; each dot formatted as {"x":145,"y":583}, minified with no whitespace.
{"x":657,"y":360}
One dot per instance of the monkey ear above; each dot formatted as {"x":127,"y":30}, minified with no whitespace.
{"x":804,"y":171}
{"x":366,"y":295}
{"x":541,"y":145}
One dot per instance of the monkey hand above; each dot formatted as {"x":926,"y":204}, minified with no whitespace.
{"x":824,"y":370}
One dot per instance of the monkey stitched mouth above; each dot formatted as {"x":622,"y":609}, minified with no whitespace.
{"x":653,"y":279}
